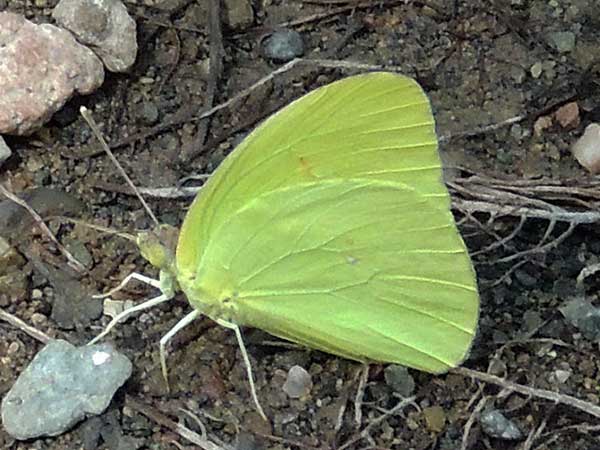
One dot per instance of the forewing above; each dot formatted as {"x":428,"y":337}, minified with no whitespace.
{"x":376,"y":126}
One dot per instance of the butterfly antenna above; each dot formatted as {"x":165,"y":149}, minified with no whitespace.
{"x":129,"y":237}
{"x":94,"y":127}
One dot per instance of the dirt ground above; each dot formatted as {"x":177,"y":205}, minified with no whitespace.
{"x":482,"y":63}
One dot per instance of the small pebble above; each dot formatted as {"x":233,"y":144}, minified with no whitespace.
{"x":516,"y":131}
{"x":562,"y":41}
{"x":112,"y":308}
{"x":435,"y":417}
{"x":147,"y":113}
{"x":13,"y":348}
{"x":531,"y":321}
{"x":568,"y":115}
{"x":541,"y":125}
{"x":298,"y":382}
{"x":587,"y":148}
{"x":536,"y":69}
{"x":238,"y":14}
{"x":144,"y":318}
{"x":560,"y":376}
{"x":38,"y":319}
{"x":496,"y":425}
{"x":283,"y":45}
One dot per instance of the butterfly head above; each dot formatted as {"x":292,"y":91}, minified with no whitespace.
{"x":158,"y":247}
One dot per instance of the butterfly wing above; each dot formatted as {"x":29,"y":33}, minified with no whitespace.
{"x":378,"y":126}
{"x":330,"y":226}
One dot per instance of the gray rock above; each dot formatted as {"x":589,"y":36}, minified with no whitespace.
{"x":41,"y":67}
{"x":283,"y":45}
{"x":62,"y":385}
{"x":5,"y":151}
{"x":496,"y":425}
{"x":398,"y":378}
{"x":103,"y":25}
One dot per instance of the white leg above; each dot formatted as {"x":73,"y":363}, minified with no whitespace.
{"x":238,"y":335}
{"x":123,"y":314}
{"x":167,"y":337}
{"x":132,"y":276}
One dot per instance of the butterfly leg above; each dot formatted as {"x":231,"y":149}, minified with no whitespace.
{"x":238,"y":335}
{"x":190,"y":317}
{"x":132,"y":276}
{"x":123,"y":314}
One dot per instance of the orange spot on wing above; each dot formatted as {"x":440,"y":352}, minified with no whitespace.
{"x":305,"y":167}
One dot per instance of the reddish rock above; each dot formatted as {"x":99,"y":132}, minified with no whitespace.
{"x":41,"y":67}
{"x":568,"y":115}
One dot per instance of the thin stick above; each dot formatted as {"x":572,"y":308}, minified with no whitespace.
{"x":31,"y":331}
{"x":576,"y":217}
{"x":484,"y":129}
{"x":556,"y":397}
{"x":73,"y":262}
{"x":360,"y":394}
{"x":541,"y":248}
{"x":165,"y":192}
{"x":535,"y":434}
{"x":365,"y":432}
{"x":470,"y":421}
{"x":164,"y":421}
{"x":96,"y":130}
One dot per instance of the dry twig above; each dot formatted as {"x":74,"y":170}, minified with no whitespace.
{"x":555,"y":397}
{"x":360,"y":394}
{"x":470,"y":421}
{"x":18,"y":323}
{"x":534,"y":434}
{"x":164,"y":421}
{"x":364,"y":434}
